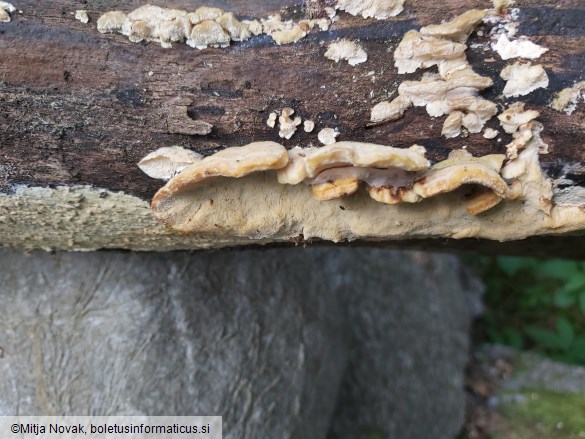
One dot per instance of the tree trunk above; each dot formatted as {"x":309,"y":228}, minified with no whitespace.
{"x":79,"y":109}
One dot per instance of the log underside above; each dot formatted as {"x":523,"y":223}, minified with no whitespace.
{"x":79,"y":109}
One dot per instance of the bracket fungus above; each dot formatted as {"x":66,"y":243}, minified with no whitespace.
{"x":5,"y":10}
{"x":346,"y":50}
{"x":166,"y":162}
{"x":171,"y":202}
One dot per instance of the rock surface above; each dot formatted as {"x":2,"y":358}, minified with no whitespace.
{"x":275,"y":341}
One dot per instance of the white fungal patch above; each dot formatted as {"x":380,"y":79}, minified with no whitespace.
{"x":346,"y":50}
{"x":308,"y":126}
{"x":386,"y":111}
{"x":523,"y":79}
{"x":454,"y":90}
{"x":518,"y":48}
{"x":5,"y":10}
{"x":288,"y":36}
{"x":520,"y":123}
{"x":208,"y":34}
{"x":567,"y":99}
{"x":271,"y":121}
{"x":380,"y":9}
{"x":501,"y":6}
{"x":490,"y":133}
{"x":327,"y":136}
{"x":206,"y":27}
{"x":165,"y":163}
{"x":81,"y":15}
{"x":288,"y":126}
{"x":111,"y":21}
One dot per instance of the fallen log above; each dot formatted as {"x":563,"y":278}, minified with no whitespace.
{"x":79,"y":109}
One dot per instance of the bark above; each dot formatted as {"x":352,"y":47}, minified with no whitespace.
{"x":82,"y":108}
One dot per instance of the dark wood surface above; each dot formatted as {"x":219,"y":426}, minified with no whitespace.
{"x":79,"y":107}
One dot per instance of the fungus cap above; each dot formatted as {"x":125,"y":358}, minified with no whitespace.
{"x":457,"y":29}
{"x":231,"y":162}
{"x":460,"y":169}
{"x":166,"y":162}
{"x":365,"y":155}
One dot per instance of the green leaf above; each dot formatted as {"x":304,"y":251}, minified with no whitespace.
{"x":564,"y":299}
{"x":582,"y":302}
{"x":512,"y":264}
{"x":578,"y":348}
{"x":559,"y":269}
{"x":544,"y":337}
{"x":576,"y":283}
{"x":565,"y":332}
{"x":514,"y":338}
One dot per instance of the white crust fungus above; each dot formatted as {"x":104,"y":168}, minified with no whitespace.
{"x":112,"y":21}
{"x":380,"y":9}
{"x":206,"y":27}
{"x":327,"y":136}
{"x":346,"y":50}
{"x":208,"y":33}
{"x":501,"y":6}
{"x":308,"y":126}
{"x":271,"y":121}
{"x":454,"y":90}
{"x":457,"y":29}
{"x":5,"y":9}
{"x":523,"y":79}
{"x":287,"y":125}
{"x":386,"y":111}
{"x":490,"y":133}
{"x":81,"y":15}
{"x":518,"y":48}
{"x":567,"y":99}
{"x":166,"y":162}
{"x":519,"y":122}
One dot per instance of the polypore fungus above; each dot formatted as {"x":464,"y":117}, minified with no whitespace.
{"x":380,"y":9}
{"x":171,"y":203}
{"x":288,"y":126}
{"x":166,"y":162}
{"x":523,"y":79}
{"x":386,"y":111}
{"x":112,"y":21}
{"x":208,"y":33}
{"x":81,"y":15}
{"x":416,"y":51}
{"x":327,"y":136}
{"x":518,"y":122}
{"x":308,"y":126}
{"x":567,"y":99}
{"x":517,"y":49}
{"x":453,"y":91}
{"x":457,"y":29}
{"x":5,"y":9}
{"x":346,"y":50}
{"x":206,"y":27}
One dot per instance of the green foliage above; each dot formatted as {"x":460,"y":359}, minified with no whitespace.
{"x":536,"y":304}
